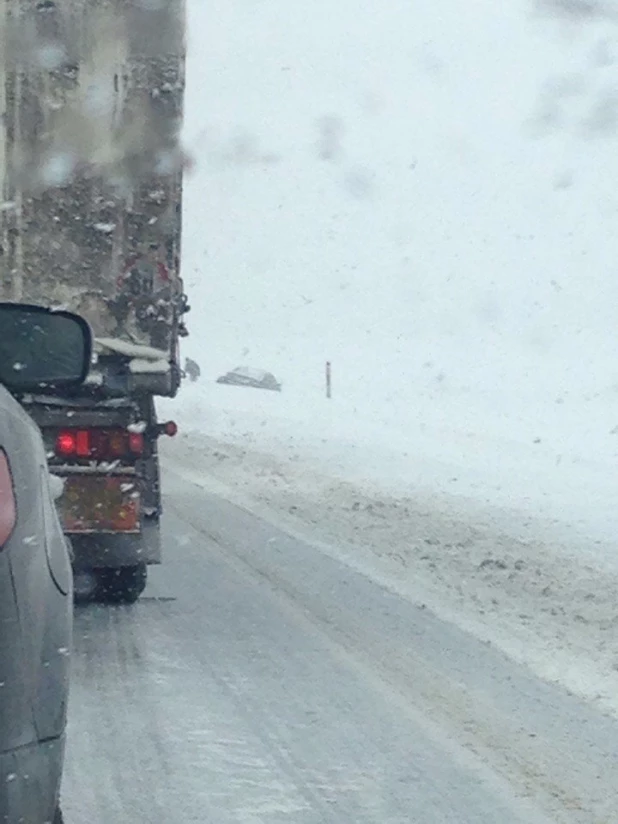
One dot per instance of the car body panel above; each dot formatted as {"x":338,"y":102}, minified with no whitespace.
{"x":30,"y":779}
{"x":35,"y":628}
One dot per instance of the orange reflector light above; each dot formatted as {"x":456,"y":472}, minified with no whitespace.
{"x":116,"y":444}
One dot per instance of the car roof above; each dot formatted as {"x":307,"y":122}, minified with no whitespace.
{"x":249,"y":372}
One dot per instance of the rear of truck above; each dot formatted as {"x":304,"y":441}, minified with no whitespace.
{"x":105,"y":452}
{"x":92,"y":96}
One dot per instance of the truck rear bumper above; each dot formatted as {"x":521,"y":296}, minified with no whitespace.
{"x":112,"y":550}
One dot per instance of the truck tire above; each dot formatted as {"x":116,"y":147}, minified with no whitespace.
{"x":121,"y":585}
{"x":85,"y":586}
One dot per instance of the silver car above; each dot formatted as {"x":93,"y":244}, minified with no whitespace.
{"x":37,"y":348}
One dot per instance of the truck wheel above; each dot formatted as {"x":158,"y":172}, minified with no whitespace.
{"x":122,"y":585}
{"x":85,"y":585}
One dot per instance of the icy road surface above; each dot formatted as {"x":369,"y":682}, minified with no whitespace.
{"x":260,"y":680}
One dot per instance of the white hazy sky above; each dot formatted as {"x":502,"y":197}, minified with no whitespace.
{"x":397,"y":183}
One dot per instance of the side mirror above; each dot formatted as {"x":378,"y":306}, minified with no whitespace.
{"x":40,"y":347}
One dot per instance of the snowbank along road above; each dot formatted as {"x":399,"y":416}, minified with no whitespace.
{"x":539,"y":591}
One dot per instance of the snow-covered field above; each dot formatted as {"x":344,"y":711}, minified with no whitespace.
{"x":425,"y":195}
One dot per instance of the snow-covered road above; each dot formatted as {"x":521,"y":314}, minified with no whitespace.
{"x":542,"y":593}
{"x":262,"y":680}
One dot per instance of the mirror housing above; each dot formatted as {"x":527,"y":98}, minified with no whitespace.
{"x":40,"y":347}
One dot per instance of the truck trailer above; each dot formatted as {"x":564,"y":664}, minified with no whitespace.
{"x":91,"y":104}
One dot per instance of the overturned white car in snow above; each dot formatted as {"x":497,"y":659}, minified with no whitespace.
{"x":255,"y":378}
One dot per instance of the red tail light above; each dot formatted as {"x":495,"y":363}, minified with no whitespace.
{"x":98,"y":444}
{"x":82,"y":443}
{"x":136,"y":443}
{"x":66,"y":444}
{"x":8,"y":507}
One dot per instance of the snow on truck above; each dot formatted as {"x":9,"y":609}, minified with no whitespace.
{"x":91,"y":103}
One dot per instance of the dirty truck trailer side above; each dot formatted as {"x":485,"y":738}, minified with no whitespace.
{"x":91,"y":97}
